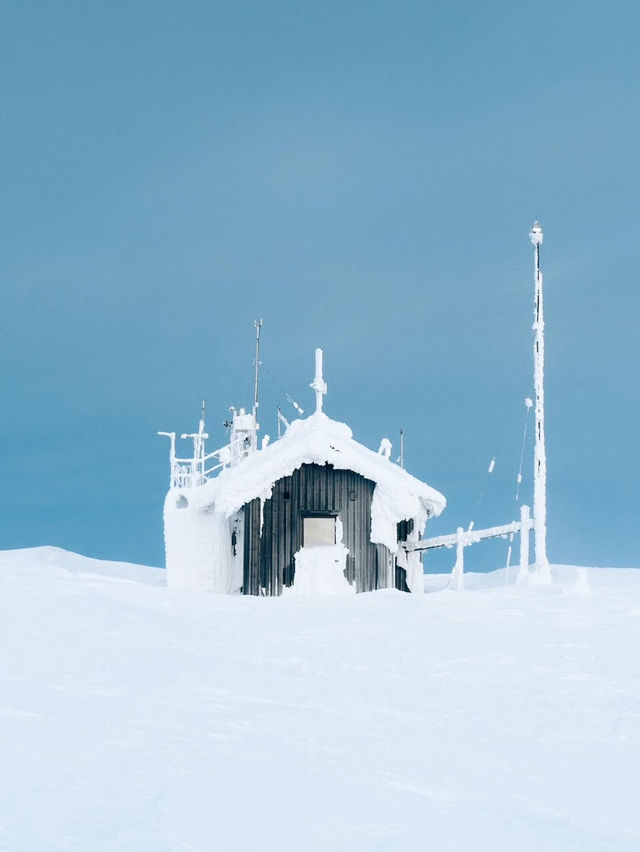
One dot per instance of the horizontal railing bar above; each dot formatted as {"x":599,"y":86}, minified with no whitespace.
{"x":216,"y":453}
{"x":468,"y":537}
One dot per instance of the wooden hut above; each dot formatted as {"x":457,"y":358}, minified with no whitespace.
{"x":314,"y":512}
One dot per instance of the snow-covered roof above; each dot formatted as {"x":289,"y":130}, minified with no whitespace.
{"x":317,"y":440}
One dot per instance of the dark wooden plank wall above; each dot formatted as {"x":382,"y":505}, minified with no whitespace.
{"x":269,"y":558}
{"x":404,"y":530}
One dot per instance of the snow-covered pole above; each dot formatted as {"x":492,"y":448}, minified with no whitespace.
{"x":172,"y":456}
{"x":199,"y":438}
{"x":318,"y":384}
{"x":456,"y":581}
{"x":540,"y":454}
{"x":258,"y":327}
{"x":525,"y":527}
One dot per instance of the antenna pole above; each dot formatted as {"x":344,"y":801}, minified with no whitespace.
{"x":540,"y":453}
{"x":258,"y":326}
{"x":197,"y":476}
{"x":318,"y":384}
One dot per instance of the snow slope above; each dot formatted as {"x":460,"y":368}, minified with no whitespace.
{"x":136,"y":718}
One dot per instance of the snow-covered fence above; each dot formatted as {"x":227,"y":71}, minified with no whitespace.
{"x":192,"y":472}
{"x":463,"y":538}
{"x":226,"y":455}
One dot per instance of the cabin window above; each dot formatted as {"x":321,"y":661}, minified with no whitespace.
{"x":318,"y":530}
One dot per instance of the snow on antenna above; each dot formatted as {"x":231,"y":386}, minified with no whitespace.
{"x":257,"y":324}
{"x":318,"y":384}
{"x":540,"y":454}
{"x":297,"y":407}
{"x":199,"y":439}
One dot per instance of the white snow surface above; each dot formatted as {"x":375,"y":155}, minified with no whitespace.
{"x":136,"y":717}
{"x":319,"y":440}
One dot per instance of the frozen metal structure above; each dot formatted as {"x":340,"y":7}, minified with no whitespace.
{"x":313,"y":512}
{"x":463,"y":538}
{"x":316,"y":512}
{"x":540,"y":452}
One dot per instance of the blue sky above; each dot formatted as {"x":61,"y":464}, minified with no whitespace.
{"x":361,"y":175}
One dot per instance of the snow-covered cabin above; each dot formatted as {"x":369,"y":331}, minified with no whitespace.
{"x":314,"y":512}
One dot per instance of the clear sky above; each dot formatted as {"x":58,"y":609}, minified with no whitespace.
{"x":362,"y":176}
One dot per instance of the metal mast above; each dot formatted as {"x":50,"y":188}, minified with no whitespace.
{"x":540,"y":453}
{"x":318,"y":384}
{"x":258,"y":326}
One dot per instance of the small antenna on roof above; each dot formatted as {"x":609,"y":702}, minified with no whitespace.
{"x":199,"y":438}
{"x":318,"y":384}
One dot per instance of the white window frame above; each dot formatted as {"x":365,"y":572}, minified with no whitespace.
{"x":319,"y":537}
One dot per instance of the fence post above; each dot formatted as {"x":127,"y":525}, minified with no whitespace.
{"x":525,"y":526}
{"x":457,"y":574}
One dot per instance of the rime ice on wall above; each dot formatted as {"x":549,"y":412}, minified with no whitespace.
{"x":200,"y":553}
{"x":200,"y":547}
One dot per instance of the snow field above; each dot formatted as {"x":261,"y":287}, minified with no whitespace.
{"x":134,"y":717}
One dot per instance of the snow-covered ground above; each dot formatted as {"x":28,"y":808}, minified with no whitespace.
{"x":137,"y":718}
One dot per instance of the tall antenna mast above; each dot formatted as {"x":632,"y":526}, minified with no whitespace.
{"x":258,"y":326}
{"x":540,"y":454}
